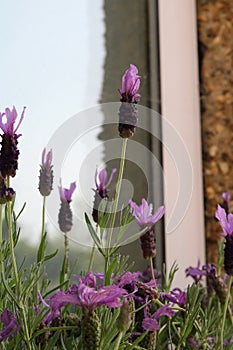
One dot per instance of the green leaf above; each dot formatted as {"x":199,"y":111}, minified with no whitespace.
{"x":93,"y":234}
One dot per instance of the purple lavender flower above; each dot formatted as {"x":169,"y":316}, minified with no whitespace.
{"x":8,"y":127}
{"x":195,"y":272}
{"x":101,"y":191}
{"x":66,"y":193}
{"x":100,"y":181}
{"x":176,"y":296}
{"x":145,"y":218}
{"x":65,"y":217}
{"x":46,"y":174}
{"x":130,"y":85}
{"x":226,"y":221}
{"x":151,"y":323}
{"x":9,"y":153}
{"x":128,"y":116}
{"x":87,"y":296}
{"x":12,"y":326}
{"x":143,"y":213}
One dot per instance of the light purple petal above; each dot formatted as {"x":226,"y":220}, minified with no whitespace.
{"x":163,"y":311}
{"x":150,"y":324}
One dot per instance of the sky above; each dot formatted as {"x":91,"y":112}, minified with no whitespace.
{"x":52,"y":57}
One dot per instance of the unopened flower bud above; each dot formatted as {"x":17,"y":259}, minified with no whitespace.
{"x":46,"y":174}
{"x":73,"y":320}
{"x":65,"y":217}
{"x":124,"y":318}
{"x":90,"y":330}
{"x":148,"y":244}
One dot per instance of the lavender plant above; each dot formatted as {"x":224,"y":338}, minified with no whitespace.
{"x":117,"y":308}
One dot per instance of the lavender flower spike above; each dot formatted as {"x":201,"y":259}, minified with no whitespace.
{"x":9,"y":153}
{"x":46,"y":174}
{"x":130,"y":85}
{"x":143,"y":213}
{"x":101,"y":191}
{"x":65,"y":217}
{"x":8,"y":127}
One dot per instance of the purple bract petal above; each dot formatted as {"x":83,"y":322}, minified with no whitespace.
{"x":66,"y":194}
{"x":130,"y":85}
{"x":226,"y":221}
{"x":143,"y":213}
{"x":100,"y":179}
{"x":150,"y":324}
{"x":47,"y":159}
{"x":8,"y":126}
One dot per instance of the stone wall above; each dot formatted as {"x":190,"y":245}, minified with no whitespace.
{"x":215,"y":25}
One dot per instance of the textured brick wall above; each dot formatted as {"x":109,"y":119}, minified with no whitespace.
{"x":215,"y":25}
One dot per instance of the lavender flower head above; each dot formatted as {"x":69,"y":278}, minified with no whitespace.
{"x":143,"y":213}
{"x":226,"y":222}
{"x":101,"y":191}
{"x":128,"y":116}
{"x":151,"y":323}
{"x":9,"y":153}
{"x":130,"y":85}
{"x":100,"y":179}
{"x":46,"y":174}
{"x":65,"y":217}
{"x":8,"y":127}
{"x":145,"y":219}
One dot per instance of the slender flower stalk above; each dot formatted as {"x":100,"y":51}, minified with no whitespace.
{"x":117,"y":196}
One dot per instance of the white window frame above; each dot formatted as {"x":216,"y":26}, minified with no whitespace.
{"x":180,"y":104}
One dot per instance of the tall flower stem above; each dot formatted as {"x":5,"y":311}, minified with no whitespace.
{"x":118,"y":341}
{"x":118,"y":189}
{"x":67,"y":253}
{"x":152,"y":268}
{"x":225,"y":311}
{"x":43,"y":218}
{"x":11,"y":239}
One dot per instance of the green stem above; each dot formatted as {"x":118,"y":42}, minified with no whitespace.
{"x":91,"y":258}
{"x":67,"y":253}
{"x":225,"y":311}
{"x":27,"y":338}
{"x":118,"y":341}
{"x":118,"y":189}
{"x":152,"y":269}
{"x":43,"y":218}
{"x":11,"y":239}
